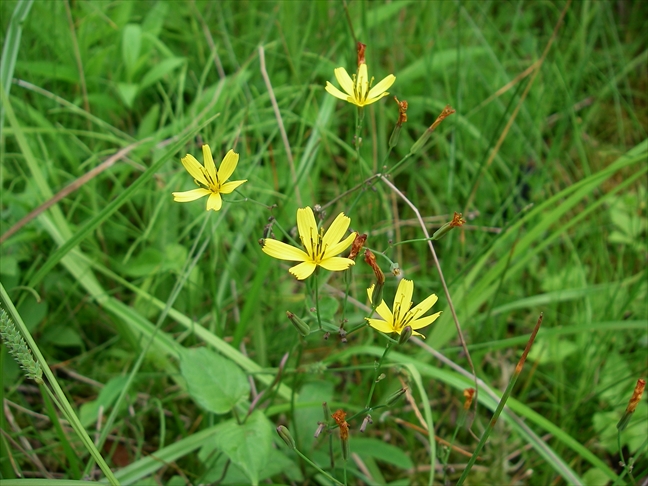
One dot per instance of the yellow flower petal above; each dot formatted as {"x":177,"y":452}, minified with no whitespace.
{"x":228,"y":187}
{"x":307,"y":228}
{"x":209,"y":162}
{"x":362,"y":83}
{"x":403,"y":299}
{"x":370,"y":101}
{"x":336,"y":231}
{"x":370,"y":292}
{"x":303,"y":270}
{"x":188,"y":196}
{"x":282,"y":251}
{"x":385,"y":312}
{"x":215,"y":202}
{"x":424,"y":321}
{"x":228,"y":165}
{"x":337,"y":93}
{"x":379,"y":325}
{"x":381,"y":87}
{"x":346,"y":83}
{"x":336,"y":264}
{"x":424,"y":306}
{"x":341,"y":246}
{"x":194,"y":168}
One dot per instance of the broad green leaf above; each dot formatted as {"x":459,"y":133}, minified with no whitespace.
{"x":247,"y":445}
{"x":160,"y":70}
{"x":131,"y":46}
{"x":381,"y":451}
{"x":127,"y":92}
{"x":90,"y":410}
{"x":214,"y":382}
{"x":155,"y":18}
{"x":278,"y":463}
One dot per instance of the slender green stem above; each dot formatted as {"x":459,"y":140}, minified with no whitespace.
{"x":318,"y":468}
{"x":317,"y":304}
{"x":57,"y":395}
{"x":377,"y":370}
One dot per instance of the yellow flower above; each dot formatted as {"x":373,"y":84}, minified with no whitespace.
{"x":359,"y":90}
{"x":212,"y":182}
{"x":321,"y":248}
{"x":403,"y":315}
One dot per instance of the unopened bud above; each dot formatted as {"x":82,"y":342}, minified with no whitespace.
{"x":357,"y":245}
{"x":340,"y":419}
{"x":405,"y":334}
{"x":320,"y":428}
{"x":370,"y":259}
{"x":632,"y":405}
{"x":395,"y":396}
{"x":343,"y":336}
{"x":469,"y":394}
{"x":376,"y":294}
{"x":284,"y":433}
{"x":327,"y":411}
{"x":402,"y":118}
{"x":300,"y":325}
{"x":360,"y":47}
{"x":447,"y":111}
{"x":457,"y":221}
{"x":367,"y":421}
{"x":381,"y":377}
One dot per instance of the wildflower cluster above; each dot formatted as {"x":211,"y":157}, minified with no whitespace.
{"x":324,"y":248}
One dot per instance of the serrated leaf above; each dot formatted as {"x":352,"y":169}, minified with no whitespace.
{"x":214,"y":382}
{"x":247,"y":445}
{"x":131,"y":46}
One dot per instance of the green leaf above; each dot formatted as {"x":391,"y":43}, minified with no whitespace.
{"x":131,"y":46}
{"x":160,"y":70}
{"x":155,"y":19}
{"x":107,"y":396}
{"x":248,"y":445}
{"x":214,"y":382}
{"x":127,"y":91}
{"x":381,"y":451}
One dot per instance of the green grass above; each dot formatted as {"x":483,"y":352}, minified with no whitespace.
{"x":115,"y":281}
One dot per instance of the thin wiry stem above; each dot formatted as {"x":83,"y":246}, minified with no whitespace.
{"x":443,"y":282}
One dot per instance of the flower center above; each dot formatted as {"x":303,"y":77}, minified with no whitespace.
{"x":214,"y":184}
{"x":315,"y":247}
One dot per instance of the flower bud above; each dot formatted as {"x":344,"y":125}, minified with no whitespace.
{"x":457,"y":221}
{"x":370,"y":259}
{"x":339,"y":416}
{"x":447,"y":111}
{"x":300,"y":325}
{"x":632,"y":405}
{"x":469,"y":394}
{"x":405,"y":334}
{"x":327,"y":411}
{"x":320,"y":428}
{"x":376,"y":294}
{"x":360,"y":47}
{"x":357,"y":245}
{"x":395,"y":396}
{"x":367,"y":421}
{"x":284,"y":433}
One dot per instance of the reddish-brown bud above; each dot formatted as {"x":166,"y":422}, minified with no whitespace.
{"x":357,"y":245}
{"x":370,"y":259}
{"x":402,"y":111}
{"x":457,"y":221}
{"x":361,"y":53}
{"x":632,"y":404}
{"x":469,"y":394}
